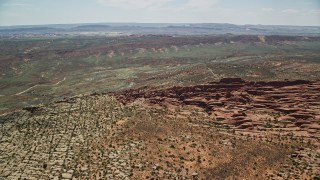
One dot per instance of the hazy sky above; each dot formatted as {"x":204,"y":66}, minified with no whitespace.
{"x":285,"y":12}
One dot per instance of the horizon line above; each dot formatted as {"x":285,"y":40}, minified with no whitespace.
{"x":50,"y":24}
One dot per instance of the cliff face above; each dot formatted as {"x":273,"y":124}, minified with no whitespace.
{"x":239,"y":101}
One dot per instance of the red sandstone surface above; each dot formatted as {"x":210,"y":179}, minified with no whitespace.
{"x":246,"y":105}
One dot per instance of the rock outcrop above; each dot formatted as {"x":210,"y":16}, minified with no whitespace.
{"x":294,"y":102}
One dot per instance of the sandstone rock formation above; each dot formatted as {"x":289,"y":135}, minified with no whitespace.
{"x":295,"y":102}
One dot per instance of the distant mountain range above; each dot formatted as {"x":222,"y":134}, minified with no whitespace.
{"x":157,"y":28}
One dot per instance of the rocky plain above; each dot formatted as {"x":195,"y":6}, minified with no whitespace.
{"x":160,"y":107}
{"x":227,"y":129}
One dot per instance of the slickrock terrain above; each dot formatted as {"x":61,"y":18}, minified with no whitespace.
{"x":220,"y":130}
{"x":233,"y":102}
